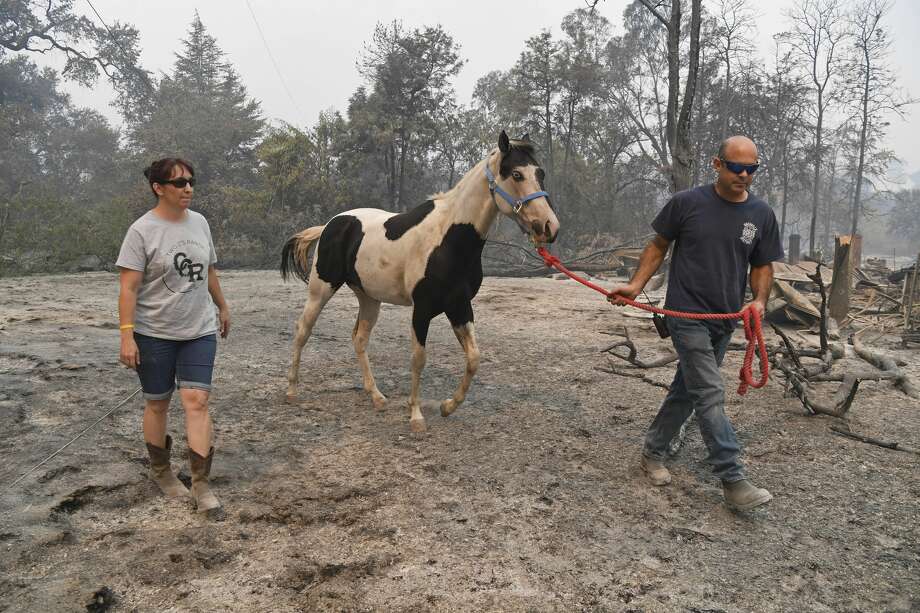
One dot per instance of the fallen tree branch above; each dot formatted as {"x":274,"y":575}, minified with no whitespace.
{"x":874,"y":441}
{"x":887,"y":365}
{"x":793,"y":353}
{"x":798,"y":385}
{"x":633,"y":357}
{"x":819,"y":281}
{"x":861,"y":375}
{"x":635,"y":375}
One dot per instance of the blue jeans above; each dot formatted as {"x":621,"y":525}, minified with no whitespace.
{"x":698,"y":386}
{"x":166,"y":363}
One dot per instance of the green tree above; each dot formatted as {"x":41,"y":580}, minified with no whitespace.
{"x":202,"y":112}
{"x":409,"y":75}
{"x":61,"y":172}
{"x":89,"y":50}
{"x":538,"y":69}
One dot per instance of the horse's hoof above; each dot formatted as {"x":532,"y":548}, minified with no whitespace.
{"x":448,"y":407}
{"x":290,"y":398}
{"x":379,"y":402}
{"x":417,"y":425}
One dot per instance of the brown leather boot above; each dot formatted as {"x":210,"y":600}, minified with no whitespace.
{"x":205,"y":499}
{"x":743,"y":496}
{"x":656,"y":471}
{"x":161,"y":472}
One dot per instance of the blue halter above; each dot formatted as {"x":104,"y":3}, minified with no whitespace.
{"x":516,"y":203}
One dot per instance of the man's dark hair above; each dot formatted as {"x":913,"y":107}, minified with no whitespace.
{"x":160,"y":171}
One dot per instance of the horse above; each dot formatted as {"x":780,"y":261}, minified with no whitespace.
{"x":428,"y":258}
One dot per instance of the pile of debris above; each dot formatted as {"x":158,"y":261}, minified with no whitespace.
{"x":800,"y":378}
{"x":868,"y":297}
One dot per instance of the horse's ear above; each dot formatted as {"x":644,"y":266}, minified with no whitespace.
{"x":504,"y":145}
{"x":526,"y":137}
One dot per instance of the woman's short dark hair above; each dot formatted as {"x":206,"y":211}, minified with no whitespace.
{"x":160,"y":171}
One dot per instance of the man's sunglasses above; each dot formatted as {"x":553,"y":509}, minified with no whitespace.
{"x":180,"y":183}
{"x":738,"y":168}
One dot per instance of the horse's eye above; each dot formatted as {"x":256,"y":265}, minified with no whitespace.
{"x":517,"y":176}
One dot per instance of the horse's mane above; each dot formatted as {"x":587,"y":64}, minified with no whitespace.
{"x":523,"y":145}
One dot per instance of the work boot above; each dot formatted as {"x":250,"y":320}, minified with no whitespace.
{"x":205,"y":499}
{"x":743,"y":496}
{"x":161,"y":472}
{"x":655,"y":470}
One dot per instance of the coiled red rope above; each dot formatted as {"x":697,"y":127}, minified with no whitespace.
{"x":753,"y":331}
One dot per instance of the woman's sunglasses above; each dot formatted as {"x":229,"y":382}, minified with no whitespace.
{"x":738,"y":168}
{"x":179,"y":183}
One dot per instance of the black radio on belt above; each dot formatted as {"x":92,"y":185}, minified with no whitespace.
{"x":661,"y":325}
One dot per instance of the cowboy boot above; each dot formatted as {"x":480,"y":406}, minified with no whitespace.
{"x":743,"y":496}
{"x":205,"y":499}
{"x":161,"y":472}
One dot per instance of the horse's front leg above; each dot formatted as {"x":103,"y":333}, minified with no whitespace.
{"x":467,"y":337}
{"x":420,"y":325}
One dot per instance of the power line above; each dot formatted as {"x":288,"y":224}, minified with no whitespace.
{"x":274,"y":63}
{"x":124,"y":53}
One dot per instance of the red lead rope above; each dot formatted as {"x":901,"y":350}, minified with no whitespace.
{"x":752,"y":328}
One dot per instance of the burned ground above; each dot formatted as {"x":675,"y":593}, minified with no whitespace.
{"x":528,"y":498}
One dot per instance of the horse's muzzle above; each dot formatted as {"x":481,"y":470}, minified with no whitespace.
{"x":545,"y":233}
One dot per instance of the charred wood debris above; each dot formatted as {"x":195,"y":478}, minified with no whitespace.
{"x":825,"y":318}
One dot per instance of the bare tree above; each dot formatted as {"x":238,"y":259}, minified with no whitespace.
{"x":785,"y":106}
{"x":735,"y":28}
{"x":816,"y":38}
{"x":677,"y":123}
{"x":872,"y":90}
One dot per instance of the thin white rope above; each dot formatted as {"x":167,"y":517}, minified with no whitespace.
{"x":71,"y":441}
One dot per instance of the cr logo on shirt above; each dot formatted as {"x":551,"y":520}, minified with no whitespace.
{"x":187,"y":268}
{"x":748,"y":232}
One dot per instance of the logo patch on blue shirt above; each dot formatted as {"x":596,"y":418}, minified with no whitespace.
{"x":748,"y":232}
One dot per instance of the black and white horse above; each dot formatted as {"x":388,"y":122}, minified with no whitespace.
{"x":428,"y":258}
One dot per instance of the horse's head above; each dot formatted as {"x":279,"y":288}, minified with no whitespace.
{"x":518,"y":189}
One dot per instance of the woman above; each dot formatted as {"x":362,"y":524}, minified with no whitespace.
{"x":169,"y":289}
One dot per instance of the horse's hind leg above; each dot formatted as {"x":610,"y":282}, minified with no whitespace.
{"x":318,"y":294}
{"x":368,"y":311}
{"x":420,"y":324}
{"x":467,"y":337}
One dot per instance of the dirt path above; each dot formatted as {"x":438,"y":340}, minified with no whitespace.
{"x":528,"y":498}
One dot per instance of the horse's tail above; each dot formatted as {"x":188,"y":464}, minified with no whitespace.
{"x":294,"y":253}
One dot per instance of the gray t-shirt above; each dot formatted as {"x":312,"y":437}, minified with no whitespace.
{"x":173,"y":300}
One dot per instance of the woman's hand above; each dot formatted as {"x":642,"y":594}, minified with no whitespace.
{"x":130,"y":356}
{"x":224,"y":317}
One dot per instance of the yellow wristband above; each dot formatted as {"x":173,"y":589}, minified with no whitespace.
{"x":125,"y":326}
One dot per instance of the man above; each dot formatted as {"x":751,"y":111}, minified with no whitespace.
{"x":718,"y":231}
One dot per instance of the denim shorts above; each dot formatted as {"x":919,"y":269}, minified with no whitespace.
{"x":167,"y":364}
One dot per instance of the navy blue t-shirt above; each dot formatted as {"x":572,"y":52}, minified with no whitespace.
{"x":715,"y":242}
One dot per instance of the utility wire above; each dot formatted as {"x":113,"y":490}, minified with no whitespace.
{"x":274,"y":63}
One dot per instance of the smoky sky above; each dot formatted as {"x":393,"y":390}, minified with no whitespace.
{"x":316,"y":45}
